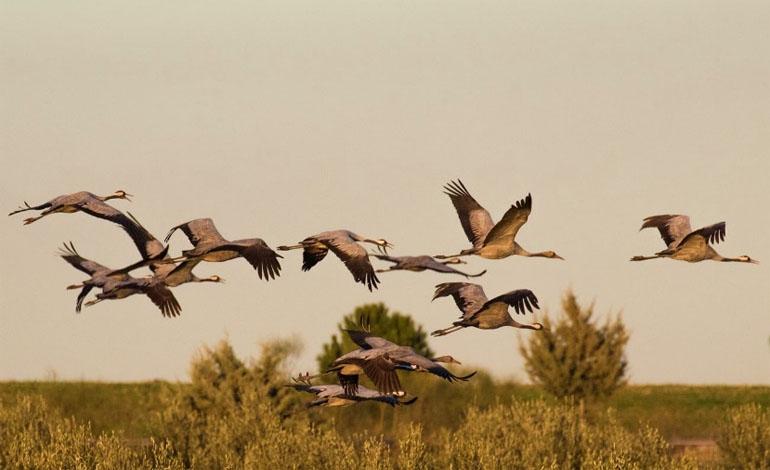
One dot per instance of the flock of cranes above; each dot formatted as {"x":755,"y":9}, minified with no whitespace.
{"x":377,"y":358}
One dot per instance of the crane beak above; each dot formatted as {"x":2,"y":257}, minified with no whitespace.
{"x":753,"y":261}
{"x":558,"y":257}
{"x":128,"y":197}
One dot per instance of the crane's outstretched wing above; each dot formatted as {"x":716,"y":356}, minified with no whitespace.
{"x":82,"y":296}
{"x":521,"y":300}
{"x":312,"y":255}
{"x":475,"y":220}
{"x":672,"y":228}
{"x":349,"y":383}
{"x":512,"y":221}
{"x":145,"y":242}
{"x":198,"y":230}
{"x":382,"y":372}
{"x":70,"y":255}
{"x":711,"y":234}
{"x":262,"y":258}
{"x":470,"y":298}
{"x":356,"y":259}
{"x":366,"y":340}
{"x":164,"y":299}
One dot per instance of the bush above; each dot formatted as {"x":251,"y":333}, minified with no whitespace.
{"x":34,"y":436}
{"x":745,"y":439}
{"x":575,"y":357}
{"x":532,"y":434}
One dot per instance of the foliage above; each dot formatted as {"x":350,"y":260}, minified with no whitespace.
{"x":534,"y":434}
{"x":228,"y":399}
{"x":236,"y":415}
{"x":394,"y":326}
{"x":745,"y":439}
{"x":525,"y":434}
{"x":575,"y":357}
{"x":32,"y":436}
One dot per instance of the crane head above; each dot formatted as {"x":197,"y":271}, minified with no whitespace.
{"x":552,"y":254}
{"x":455,"y":260}
{"x":748,"y":259}
{"x":120,"y":194}
{"x":215,"y":278}
{"x":382,"y":245}
{"x":447,"y":360}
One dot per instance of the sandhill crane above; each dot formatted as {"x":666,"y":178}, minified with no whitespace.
{"x":68,"y":203}
{"x":329,"y":395}
{"x":209,"y":245}
{"x":479,"y":312}
{"x":149,"y":247}
{"x":379,"y":359}
{"x":686,"y":244}
{"x":421,"y":263}
{"x":490,"y":240}
{"x":344,"y":244}
{"x":110,"y":281}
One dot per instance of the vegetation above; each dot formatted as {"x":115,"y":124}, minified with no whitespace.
{"x":575,"y":357}
{"x":395,"y":326}
{"x":745,"y":439}
{"x":236,"y":414}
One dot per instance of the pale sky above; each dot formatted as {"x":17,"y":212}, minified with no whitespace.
{"x":284,"y":119}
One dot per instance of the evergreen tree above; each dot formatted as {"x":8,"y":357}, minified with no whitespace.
{"x":393,"y":326}
{"x":575,"y":357}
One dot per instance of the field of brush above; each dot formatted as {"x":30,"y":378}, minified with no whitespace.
{"x":679,"y":412}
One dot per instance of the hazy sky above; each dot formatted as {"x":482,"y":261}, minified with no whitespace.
{"x":284,"y":119}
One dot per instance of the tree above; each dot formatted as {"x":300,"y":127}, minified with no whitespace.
{"x":395,"y":326}
{"x":575,"y":357}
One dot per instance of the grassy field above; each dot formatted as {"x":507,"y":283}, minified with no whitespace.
{"x":678,"y":411}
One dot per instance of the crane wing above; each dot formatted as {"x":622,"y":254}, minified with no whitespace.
{"x":349,"y":383}
{"x":672,"y":228}
{"x":511,"y":222}
{"x":366,"y":340}
{"x":262,"y":258}
{"x":521,"y":300}
{"x":470,"y":298}
{"x":70,"y":255}
{"x":145,"y":242}
{"x":382,"y":372}
{"x":177,"y":274}
{"x":312,"y":255}
{"x":711,"y":234}
{"x":475,"y":220}
{"x":82,"y":296}
{"x":198,"y":231}
{"x":162,"y":296}
{"x":356,"y":260}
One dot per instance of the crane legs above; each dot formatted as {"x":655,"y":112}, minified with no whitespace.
{"x":446,"y":331}
{"x":644,"y":258}
{"x":290,"y":247}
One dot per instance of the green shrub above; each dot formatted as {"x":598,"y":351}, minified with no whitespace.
{"x":745,"y":439}
{"x":575,"y":357}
